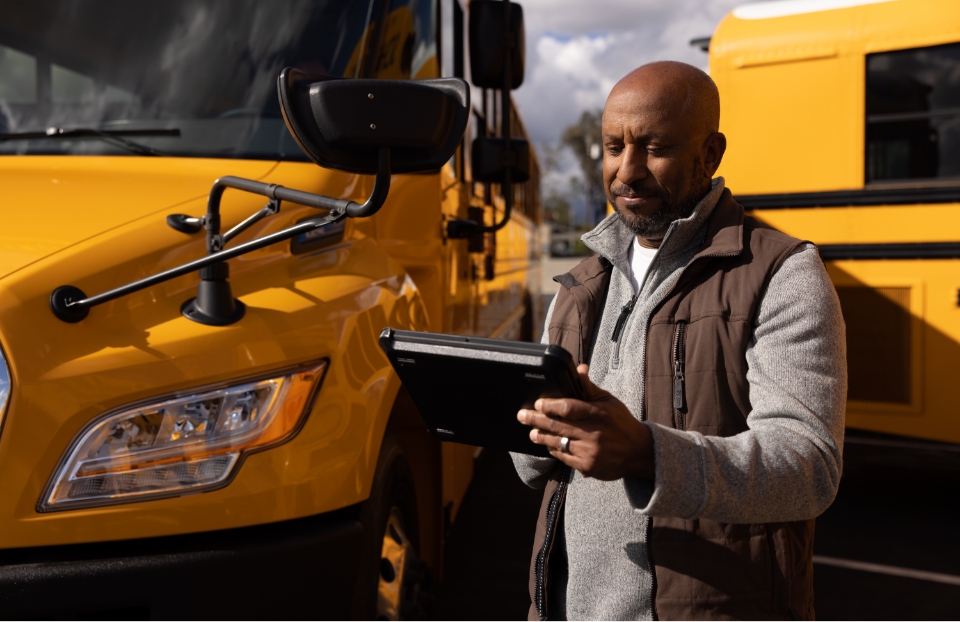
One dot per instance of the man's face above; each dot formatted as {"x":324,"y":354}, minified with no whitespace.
{"x":653,"y":168}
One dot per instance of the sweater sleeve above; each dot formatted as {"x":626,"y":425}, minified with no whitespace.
{"x":787,"y":465}
{"x":534,"y":470}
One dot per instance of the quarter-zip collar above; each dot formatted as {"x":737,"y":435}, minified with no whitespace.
{"x":611,"y":239}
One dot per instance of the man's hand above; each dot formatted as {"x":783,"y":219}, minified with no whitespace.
{"x":606,"y":441}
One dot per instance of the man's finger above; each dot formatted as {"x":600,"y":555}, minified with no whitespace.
{"x":570,"y":459}
{"x":552,"y":441}
{"x":566,"y":408}
{"x":548,"y":424}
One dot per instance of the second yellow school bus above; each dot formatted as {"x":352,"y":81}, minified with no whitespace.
{"x":843,"y":122}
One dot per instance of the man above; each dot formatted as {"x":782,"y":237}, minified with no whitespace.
{"x":686,"y":483}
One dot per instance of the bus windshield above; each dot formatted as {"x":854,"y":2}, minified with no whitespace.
{"x":203,"y":70}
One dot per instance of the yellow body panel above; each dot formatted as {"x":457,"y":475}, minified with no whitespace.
{"x":65,"y":200}
{"x":792,"y":89}
{"x":98,"y":222}
{"x":793,"y":109}
{"x":863,"y":225}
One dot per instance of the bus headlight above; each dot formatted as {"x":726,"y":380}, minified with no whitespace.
{"x":179,"y":444}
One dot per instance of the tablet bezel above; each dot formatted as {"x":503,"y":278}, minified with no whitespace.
{"x":549,"y":364}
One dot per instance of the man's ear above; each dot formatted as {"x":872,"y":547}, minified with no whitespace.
{"x":713,"y":149}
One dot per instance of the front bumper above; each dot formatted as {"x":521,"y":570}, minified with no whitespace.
{"x":299,"y":569}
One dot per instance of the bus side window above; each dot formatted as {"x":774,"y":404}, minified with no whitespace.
{"x":913,"y":114}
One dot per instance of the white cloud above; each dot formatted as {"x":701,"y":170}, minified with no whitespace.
{"x":563,"y":80}
{"x":577,"y":51}
{"x":577,"y":16}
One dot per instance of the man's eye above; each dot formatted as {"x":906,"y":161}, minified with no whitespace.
{"x":614,"y":149}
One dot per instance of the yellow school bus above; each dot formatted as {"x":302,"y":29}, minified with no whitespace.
{"x":261,"y":460}
{"x":843,"y":120}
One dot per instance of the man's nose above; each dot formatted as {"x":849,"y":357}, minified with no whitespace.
{"x":633,"y":165}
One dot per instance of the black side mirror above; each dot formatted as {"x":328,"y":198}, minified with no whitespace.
{"x":344,"y":123}
{"x":363,"y":126}
{"x":489,"y":36}
{"x":497,"y":50}
{"x":489,"y":159}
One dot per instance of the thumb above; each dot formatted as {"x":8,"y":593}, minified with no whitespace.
{"x":590,"y":390}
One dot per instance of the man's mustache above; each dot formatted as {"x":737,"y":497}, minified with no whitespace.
{"x":629,"y":192}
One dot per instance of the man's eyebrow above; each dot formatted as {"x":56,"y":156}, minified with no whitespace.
{"x":651,"y":136}
{"x":643,"y":138}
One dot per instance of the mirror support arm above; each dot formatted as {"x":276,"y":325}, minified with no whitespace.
{"x":272,"y":207}
{"x":378,"y":195}
{"x":70,"y":304}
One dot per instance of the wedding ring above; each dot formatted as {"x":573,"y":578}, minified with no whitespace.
{"x":565,"y":444}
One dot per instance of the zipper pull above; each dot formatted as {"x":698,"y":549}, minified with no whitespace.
{"x":622,"y":320}
{"x":678,"y":354}
{"x":678,"y":392}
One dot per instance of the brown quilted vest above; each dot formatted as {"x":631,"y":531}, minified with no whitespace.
{"x":703,"y":569}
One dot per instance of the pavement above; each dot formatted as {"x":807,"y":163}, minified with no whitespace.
{"x":487,"y":554}
{"x":887,"y":549}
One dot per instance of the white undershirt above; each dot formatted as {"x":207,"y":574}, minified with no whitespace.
{"x":640,"y":259}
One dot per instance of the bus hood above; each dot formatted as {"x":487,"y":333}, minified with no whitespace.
{"x":53,"y":202}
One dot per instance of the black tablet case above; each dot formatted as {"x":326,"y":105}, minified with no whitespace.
{"x":469,"y":389}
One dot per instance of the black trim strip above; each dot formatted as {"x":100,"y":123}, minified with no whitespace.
{"x":852,"y":198}
{"x":912,"y":116}
{"x":913,"y":250}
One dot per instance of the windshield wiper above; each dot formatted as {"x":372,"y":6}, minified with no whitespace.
{"x":112,"y":136}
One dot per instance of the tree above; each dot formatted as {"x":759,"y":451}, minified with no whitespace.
{"x":557,"y":210}
{"x":557,"y":205}
{"x":583,"y":138}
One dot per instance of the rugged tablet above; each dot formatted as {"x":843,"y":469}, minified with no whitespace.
{"x":469,"y":389}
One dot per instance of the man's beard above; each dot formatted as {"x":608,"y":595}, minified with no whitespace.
{"x":655,"y":226}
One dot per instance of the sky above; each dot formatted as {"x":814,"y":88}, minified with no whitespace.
{"x":578,"y":49}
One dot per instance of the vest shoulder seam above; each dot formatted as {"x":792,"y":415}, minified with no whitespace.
{"x":772,"y":234}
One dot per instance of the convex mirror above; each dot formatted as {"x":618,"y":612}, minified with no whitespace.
{"x":489,"y":36}
{"x":343,"y":123}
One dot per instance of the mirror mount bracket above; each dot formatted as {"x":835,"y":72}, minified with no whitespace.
{"x":214,"y":304}
{"x":458,"y":228}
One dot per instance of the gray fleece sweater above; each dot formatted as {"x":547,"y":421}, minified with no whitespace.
{"x":785,"y":467}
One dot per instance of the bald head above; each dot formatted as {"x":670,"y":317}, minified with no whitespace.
{"x":672,"y":88}
{"x":661,"y":144}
